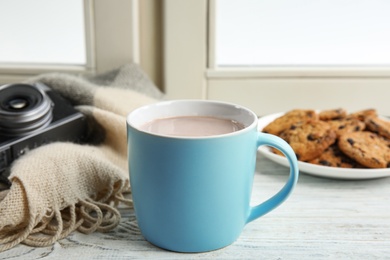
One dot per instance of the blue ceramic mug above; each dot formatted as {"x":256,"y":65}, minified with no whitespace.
{"x":192,"y":194}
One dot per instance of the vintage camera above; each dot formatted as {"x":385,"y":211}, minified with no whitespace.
{"x":32,"y":115}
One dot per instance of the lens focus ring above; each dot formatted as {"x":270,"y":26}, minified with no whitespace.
{"x":24,"y":108}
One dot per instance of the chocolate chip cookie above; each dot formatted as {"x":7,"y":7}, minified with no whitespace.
{"x":367,"y":148}
{"x":309,"y":139}
{"x":379,"y":126}
{"x":334,"y":157}
{"x":362,"y":115}
{"x":292,"y":117}
{"x":332,"y":114}
{"x":348,"y":124}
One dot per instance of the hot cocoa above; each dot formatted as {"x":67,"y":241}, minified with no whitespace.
{"x":192,"y":126}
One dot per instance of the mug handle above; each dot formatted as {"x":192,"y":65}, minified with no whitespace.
{"x":270,"y":204}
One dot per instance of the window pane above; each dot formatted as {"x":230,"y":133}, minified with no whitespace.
{"x":42,"y":31}
{"x":302,"y":32}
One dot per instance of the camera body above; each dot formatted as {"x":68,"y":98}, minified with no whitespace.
{"x":32,"y":115}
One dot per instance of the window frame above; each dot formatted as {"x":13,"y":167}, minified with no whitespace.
{"x":112,"y":39}
{"x":190,"y":71}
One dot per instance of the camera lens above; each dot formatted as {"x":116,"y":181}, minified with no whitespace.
{"x":17,"y":103}
{"x":24,"y":108}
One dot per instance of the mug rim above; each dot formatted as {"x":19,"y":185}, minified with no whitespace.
{"x":130,"y":118}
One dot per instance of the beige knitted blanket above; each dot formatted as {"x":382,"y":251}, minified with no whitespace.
{"x":62,"y":187}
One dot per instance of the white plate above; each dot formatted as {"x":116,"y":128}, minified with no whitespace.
{"x":318,"y":170}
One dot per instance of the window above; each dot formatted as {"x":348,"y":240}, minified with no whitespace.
{"x":302,"y":33}
{"x":75,"y":36}
{"x":354,"y":77}
{"x":51,"y":35}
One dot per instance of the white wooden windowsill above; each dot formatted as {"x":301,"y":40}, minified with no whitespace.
{"x":322,"y":219}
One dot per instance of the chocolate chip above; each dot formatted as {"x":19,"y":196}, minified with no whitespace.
{"x":373,"y":123}
{"x":350,"y":141}
{"x":388,"y":165}
{"x":325,"y":163}
{"x":310,"y":137}
{"x":342,"y":127}
{"x":357,"y":128}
